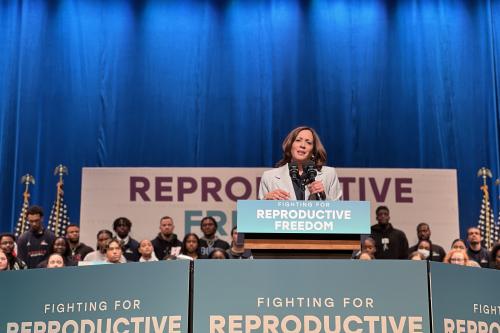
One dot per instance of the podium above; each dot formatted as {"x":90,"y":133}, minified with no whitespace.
{"x":302,"y":229}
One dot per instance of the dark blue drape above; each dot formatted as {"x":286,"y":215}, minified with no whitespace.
{"x":219,"y":83}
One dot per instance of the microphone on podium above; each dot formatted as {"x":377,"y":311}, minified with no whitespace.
{"x":311,"y":173}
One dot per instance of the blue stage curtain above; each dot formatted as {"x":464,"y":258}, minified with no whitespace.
{"x":410,"y":84}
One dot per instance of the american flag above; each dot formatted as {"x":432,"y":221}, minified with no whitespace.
{"x":59,"y":218}
{"x":486,"y":223}
{"x":22,"y":222}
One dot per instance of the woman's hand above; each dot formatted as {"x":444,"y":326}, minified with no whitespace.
{"x":277,"y":195}
{"x":316,"y":187}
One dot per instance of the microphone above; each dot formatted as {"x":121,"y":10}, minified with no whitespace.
{"x":293,"y":168}
{"x":311,"y":173}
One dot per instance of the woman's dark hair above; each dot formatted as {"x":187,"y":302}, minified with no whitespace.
{"x":67,"y":252}
{"x":103,"y":231}
{"x":458,"y":240}
{"x":493,"y":255}
{"x":211,"y":256}
{"x":183,"y":248}
{"x":318,"y":151}
{"x":113,"y":240}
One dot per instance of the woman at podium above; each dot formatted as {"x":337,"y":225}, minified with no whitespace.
{"x":301,"y":174}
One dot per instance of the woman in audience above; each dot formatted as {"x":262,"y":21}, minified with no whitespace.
{"x":366,"y":255}
{"x":416,"y":255}
{"x":459,"y":244}
{"x":191,"y":248}
{"x":218,"y":254}
{"x":424,"y":247}
{"x":55,"y":260}
{"x":456,"y":257}
{"x":60,"y":246}
{"x":238,"y":251}
{"x":146,"y":251}
{"x":114,"y":252}
{"x":4,"y":264}
{"x":99,"y":255}
{"x":495,"y":256}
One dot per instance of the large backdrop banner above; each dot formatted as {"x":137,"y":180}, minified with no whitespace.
{"x":144,"y":195}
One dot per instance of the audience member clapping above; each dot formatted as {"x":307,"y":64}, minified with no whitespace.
{"x":146,"y":251}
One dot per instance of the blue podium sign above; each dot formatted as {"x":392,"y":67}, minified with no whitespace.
{"x":464,"y":299}
{"x":310,"y":296}
{"x":134,"y":297}
{"x":303,"y":217}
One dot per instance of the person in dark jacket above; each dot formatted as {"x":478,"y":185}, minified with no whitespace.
{"x":7,"y":242}
{"x":34,"y":245}
{"x":209,"y":241}
{"x":166,"y":243}
{"x":391,"y":243}
{"x":130,"y":246}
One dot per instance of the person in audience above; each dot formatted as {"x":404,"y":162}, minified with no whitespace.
{"x":146,"y":251}
{"x":130,"y":246}
{"x":416,"y":255}
{"x":60,"y":246}
{"x":191,"y":248}
{"x":456,"y":257}
{"x":7,"y":242}
{"x":475,"y":251}
{"x":99,"y":255}
{"x":78,"y":250}
{"x":302,"y":148}
{"x":209,"y":241}
{"x":424,"y":247}
{"x":166,"y":243}
{"x":458,"y":244}
{"x":437,"y":253}
{"x":34,"y":245}
{"x":495,"y":257}
{"x":365,"y":255}
{"x":238,"y":251}
{"x":55,"y":260}
{"x":391,"y":243}
{"x":4,"y":262}
{"x":367,"y":245}
{"x":114,"y":251}
{"x":218,"y":254}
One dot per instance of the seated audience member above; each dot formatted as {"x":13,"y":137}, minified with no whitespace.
{"x":114,"y":252}
{"x":55,"y":261}
{"x":7,"y":243}
{"x":4,"y":263}
{"x":99,"y":255}
{"x":365,"y":255}
{"x":238,"y":251}
{"x":437,"y":253}
{"x":218,"y":254}
{"x":191,"y":248}
{"x":209,"y":241}
{"x":391,"y":243}
{"x":495,"y":257}
{"x":475,"y":251}
{"x":146,"y":251}
{"x":60,"y":246}
{"x":456,"y":257}
{"x":367,"y":245}
{"x":415,"y":255}
{"x":78,"y":250}
{"x":130,"y":246}
{"x":458,"y":244}
{"x":166,"y":243}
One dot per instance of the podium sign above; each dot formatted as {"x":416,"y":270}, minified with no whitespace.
{"x":303,"y":217}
